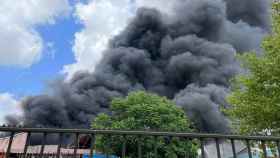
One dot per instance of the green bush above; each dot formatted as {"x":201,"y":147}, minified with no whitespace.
{"x":149,"y":112}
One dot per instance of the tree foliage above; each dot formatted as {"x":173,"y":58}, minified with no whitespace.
{"x":255,"y":98}
{"x":145,"y":111}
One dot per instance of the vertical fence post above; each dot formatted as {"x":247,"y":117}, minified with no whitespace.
{"x":26,"y":144}
{"x":264,"y":148}
{"x":187,"y":154}
{"x":59,"y":145}
{"x":108,"y":146}
{"x":249,"y":148}
{"x":278,"y":147}
{"x":202,"y":148}
{"x":76,"y":144}
{"x":92,"y":143}
{"x":139,"y":147}
{"x":155,"y":146}
{"x":10,"y":145}
{"x":124,"y":146}
{"x":233,"y":148}
{"x":218,"y":147}
{"x":43,"y":144}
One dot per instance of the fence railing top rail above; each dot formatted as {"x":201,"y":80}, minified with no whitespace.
{"x":139,"y":133}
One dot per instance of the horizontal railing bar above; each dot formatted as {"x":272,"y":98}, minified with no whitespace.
{"x":143,"y":133}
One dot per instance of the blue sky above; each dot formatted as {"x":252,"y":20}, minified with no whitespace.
{"x":48,"y":39}
{"x":30,"y":81}
{"x":57,"y":37}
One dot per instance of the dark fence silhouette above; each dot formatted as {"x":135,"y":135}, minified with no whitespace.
{"x":201,"y":139}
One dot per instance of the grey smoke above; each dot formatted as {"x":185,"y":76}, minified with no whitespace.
{"x":252,"y":12}
{"x":188,"y":56}
{"x":203,"y":103}
{"x":243,"y":37}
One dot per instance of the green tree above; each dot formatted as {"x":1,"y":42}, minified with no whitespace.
{"x":255,"y":98}
{"x":149,"y":112}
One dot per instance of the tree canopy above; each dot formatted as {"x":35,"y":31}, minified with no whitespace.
{"x":145,"y":111}
{"x":255,"y":98}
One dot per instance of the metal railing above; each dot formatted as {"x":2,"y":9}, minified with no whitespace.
{"x":201,"y":139}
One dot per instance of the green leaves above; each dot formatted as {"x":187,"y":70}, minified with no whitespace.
{"x":145,"y":111}
{"x":255,"y":98}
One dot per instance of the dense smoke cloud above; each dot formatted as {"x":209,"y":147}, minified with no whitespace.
{"x":252,"y":12}
{"x":188,"y":56}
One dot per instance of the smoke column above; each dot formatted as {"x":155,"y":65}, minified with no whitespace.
{"x":188,"y":56}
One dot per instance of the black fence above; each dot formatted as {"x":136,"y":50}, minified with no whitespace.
{"x":201,"y":139}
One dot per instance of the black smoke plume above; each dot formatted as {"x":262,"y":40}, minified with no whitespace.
{"x":188,"y":56}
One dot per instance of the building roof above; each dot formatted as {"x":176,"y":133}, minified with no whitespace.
{"x":19,"y":142}
{"x":225,"y":148}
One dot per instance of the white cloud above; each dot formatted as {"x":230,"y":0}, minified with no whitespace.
{"x":101,"y":19}
{"x":8,"y":106}
{"x":165,"y":6}
{"x":20,"y":43}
